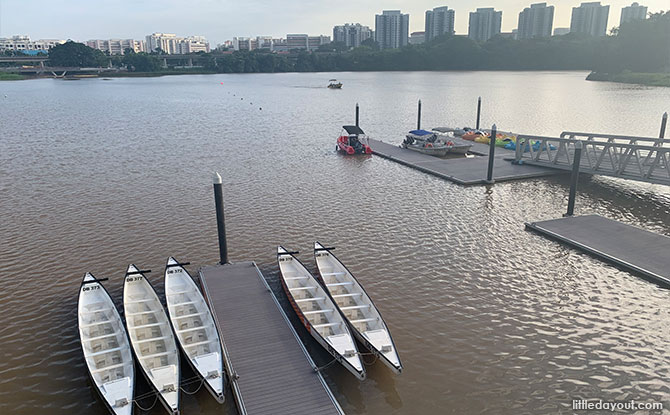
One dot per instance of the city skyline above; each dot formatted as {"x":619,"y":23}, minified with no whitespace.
{"x":222,"y":20}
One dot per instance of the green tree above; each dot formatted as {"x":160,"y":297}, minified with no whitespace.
{"x":141,"y":62}
{"x":76,"y":55}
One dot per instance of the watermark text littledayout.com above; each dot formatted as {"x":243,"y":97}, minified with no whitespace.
{"x":599,"y":404}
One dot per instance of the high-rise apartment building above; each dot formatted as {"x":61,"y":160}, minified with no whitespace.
{"x":170,"y":43}
{"x":536,"y":21}
{"x":439,"y":21}
{"x":392,"y":29}
{"x":633,"y":12}
{"x":352,"y":34}
{"x":590,"y":19}
{"x":484,"y":24}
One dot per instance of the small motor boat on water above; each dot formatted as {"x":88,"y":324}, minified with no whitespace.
{"x":425,"y":142}
{"x":334,"y":84}
{"x":350,"y":142}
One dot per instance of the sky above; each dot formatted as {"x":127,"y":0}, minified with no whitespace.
{"x":220,"y":20}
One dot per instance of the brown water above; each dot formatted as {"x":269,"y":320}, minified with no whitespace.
{"x":488,"y":318}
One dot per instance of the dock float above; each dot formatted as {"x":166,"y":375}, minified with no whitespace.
{"x":268,"y":367}
{"x":464,"y":171}
{"x":631,"y":248}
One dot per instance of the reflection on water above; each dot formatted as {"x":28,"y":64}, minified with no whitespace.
{"x":488,"y":318}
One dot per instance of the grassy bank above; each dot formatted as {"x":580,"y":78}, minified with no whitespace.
{"x":11,"y":76}
{"x":650,"y":79}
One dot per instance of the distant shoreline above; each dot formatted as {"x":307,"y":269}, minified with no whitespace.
{"x":636,"y":78}
{"x":648,"y":79}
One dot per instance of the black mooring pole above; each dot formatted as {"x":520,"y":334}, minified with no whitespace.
{"x":492,"y":153}
{"x":220,"y":220}
{"x":479,"y":110}
{"x":664,"y":123}
{"x":574,"y":178}
{"x":418,"y":118}
{"x":357,"y":114}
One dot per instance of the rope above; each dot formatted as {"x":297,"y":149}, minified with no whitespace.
{"x":146,"y":409}
{"x":202,"y":382}
{"x":319,"y":369}
{"x":375,"y":357}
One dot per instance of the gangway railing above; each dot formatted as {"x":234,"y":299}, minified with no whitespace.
{"x":634,"y":158}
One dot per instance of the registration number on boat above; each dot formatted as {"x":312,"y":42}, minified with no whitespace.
{"x":131,"y":279}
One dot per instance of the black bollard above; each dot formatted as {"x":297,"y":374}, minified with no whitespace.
{"x":220,"y":220}
{"x":574,"y":178}
{"x":479,"y":110}
{"x":357,"y":113}
{"x":492,"y":153}
{"x":664,"y":123}
{"x":418,"y":118}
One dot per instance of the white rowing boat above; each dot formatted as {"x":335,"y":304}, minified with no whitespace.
{"x":318,"y":313}
{"x":360,"y":312}
{"x":193,"y":323}
{"x":152,"y":338}
{"x":105,"y":345}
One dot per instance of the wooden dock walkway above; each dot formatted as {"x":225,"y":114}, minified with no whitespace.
{"x":634,"y":249}
{"x":268,"y":367}
{"x":464,"y":171}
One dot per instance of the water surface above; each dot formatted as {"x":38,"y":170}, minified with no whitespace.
{"x":488,"y":318}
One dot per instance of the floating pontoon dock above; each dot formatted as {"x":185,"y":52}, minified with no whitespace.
{"x":268,"y":367}
{"x":631,"y":248}
{"x":464,"y":171}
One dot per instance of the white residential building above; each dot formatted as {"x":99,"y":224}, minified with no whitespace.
{"x":417,"y":38}
{"x":439,"y":21}
{"x":391,"y":29}
{"x":632,"y":13}
{"x":116,"y":46}
{"x":484,"y":24}
{"x":22,"y":43}
{"x":536,"y":21}
{"x":590,"y":18}
{"x":170,"y":43}
{"x":352,"y":34}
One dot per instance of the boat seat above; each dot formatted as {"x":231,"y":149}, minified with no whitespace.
{"x":355,"y":307}
{"x":296,"y":278}
{"x":95,"y":323}
{"x":180,"y":292}
{"x":333,"y":274}
{"x":151,"y":339}
{"x":338,"y":284}
{"x":116,"y":349}
{"x":191,"y":329}
{"x":101,"y":310}
{"x":363,"y":320}
{"x":147,"y":325}
{"x":304,"y":300}
{"x":146,"y":300}
{"x":100,"y":337}
{"x":102,"y":369}
{"x":150,"y":356}
{"x":198,"y":343}
{"x":302,"y":288}
{"x":346,"y":295}
{"x":318,"y":326}
{"x":329,"y":310}
{"x":184,"y":303}
{"x":140,"y":313}
{"x":189,"y":315}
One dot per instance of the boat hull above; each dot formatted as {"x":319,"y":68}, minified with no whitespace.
{"x":431,"y":151}
{"x":317,"y":336}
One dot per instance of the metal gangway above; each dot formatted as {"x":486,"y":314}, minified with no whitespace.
{"x":634,"y":158}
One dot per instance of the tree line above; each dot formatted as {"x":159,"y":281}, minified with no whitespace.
{"x":639,"y":46}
